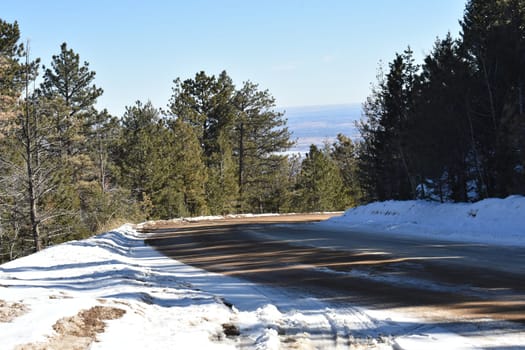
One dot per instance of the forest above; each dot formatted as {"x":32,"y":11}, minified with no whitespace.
{"x":453,"y":127}
{"x":450,"y":128}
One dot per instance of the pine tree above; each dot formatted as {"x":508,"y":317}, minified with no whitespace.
{"x":11,"y":68}
{"x":286,"y":183}
{"x":102,"y":136}
{"x":344,"y":153}
{"x":204,"y":103}
{"x":386,"y":153}
{"x":27,"y":168}
{"x":221,"y":188}
{"x":71,"y":83}
{"x":31,"y":169}
{"x":103,"y":199}
{"x":260,"y":133}
{"x":493,"y":41}
{"x":443,"y":142}
{"x":189,"y":170}
{"x":143,"y":158}
{"x":320,"y":185}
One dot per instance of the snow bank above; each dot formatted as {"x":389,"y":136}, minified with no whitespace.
{"x":162,"y":304}
{"x":171,"y":305}
{"x":496,"y":221}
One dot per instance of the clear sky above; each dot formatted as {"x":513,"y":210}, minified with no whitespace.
{"x":306,"y":52}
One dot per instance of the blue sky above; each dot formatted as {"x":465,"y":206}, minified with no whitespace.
{"x":305,"y":52}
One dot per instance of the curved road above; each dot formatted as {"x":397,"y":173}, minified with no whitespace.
{"x":441,"y":280}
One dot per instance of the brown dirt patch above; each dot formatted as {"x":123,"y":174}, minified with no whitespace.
{"x":79,"y":331}
{"x":231,"y":330}
{"x":10,"y":311}
{"x":270,"y":219}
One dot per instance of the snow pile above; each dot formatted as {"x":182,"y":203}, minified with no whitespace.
{"x":113,"y":291}
{"x":497,"y":221}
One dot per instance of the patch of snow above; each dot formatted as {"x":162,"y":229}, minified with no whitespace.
{"x":167,"y":304}
{"x":495,"y":221}
{"x":172,"y":305}
{"x":268,"y":340}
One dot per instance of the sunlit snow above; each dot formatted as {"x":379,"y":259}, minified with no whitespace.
{"x":169,"y":305}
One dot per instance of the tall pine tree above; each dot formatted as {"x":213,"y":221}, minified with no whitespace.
{"x":143,"y":158}
{"x":494,"y":43}
{"x":260,"y":134}
{"x":388,"y":172}
{"x":189,"y":170}
{"x":205,"y":104}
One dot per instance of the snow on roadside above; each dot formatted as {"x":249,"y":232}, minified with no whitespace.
{"x":496,"y":221}
{"x":163,"y":303}
{"x":171,"y":305}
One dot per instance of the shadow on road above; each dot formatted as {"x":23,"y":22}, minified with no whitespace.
{"x":372,"y":277}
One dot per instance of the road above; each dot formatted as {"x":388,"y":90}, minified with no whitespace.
{"x":443,"y":281}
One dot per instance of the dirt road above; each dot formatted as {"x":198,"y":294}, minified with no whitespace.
{"x":443,"y":281}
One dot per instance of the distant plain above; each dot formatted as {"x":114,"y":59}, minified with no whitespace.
{"x":320,"y":124}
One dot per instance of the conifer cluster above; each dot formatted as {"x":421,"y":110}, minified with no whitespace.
{"x":452,"y":128}
{"x":68,"y":170}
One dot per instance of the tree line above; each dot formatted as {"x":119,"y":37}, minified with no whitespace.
{"x":453,"y":127}
{"x":68,"y":169}
{"x":450,"y":129}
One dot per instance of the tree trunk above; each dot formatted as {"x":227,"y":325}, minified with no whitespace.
{"x":33,"y":213}
{"x":30,"y":159}
{"x":411,"y":181}
{"x":241,"y":165}
{"x":475,"y":151}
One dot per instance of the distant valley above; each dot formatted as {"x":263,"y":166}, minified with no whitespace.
{"x":317,"y":124}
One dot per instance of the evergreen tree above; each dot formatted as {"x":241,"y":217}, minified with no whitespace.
{"x":71,"y":83}
{"x":104,"y":130}
{"x":455,"y":130}
{"x":33,"y":174}
{"x":11,"y":68}
{"x":221,"y":188}
{"x":388,"y":172}
{"x":344,"y":153}
{"x":143,"y":157}
{"x":286,"y":185}
{"x":102,"y":198}
{"x":189,"y":170}
{"x":395,"y":124}
{"x":320,"y":185}
{"x":370,"y":168}
{"x":205,"y":104}
{"x":444,"y":145}
{"x":260,"y":133}
{"x":30,"y":217}
{"x":493,"y":41}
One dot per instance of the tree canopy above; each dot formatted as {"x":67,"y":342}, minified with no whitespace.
{"x":450,"y":128}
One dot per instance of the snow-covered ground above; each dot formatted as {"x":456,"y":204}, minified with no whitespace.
{"x":114,"y":292}
{"x":492,"y":221}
